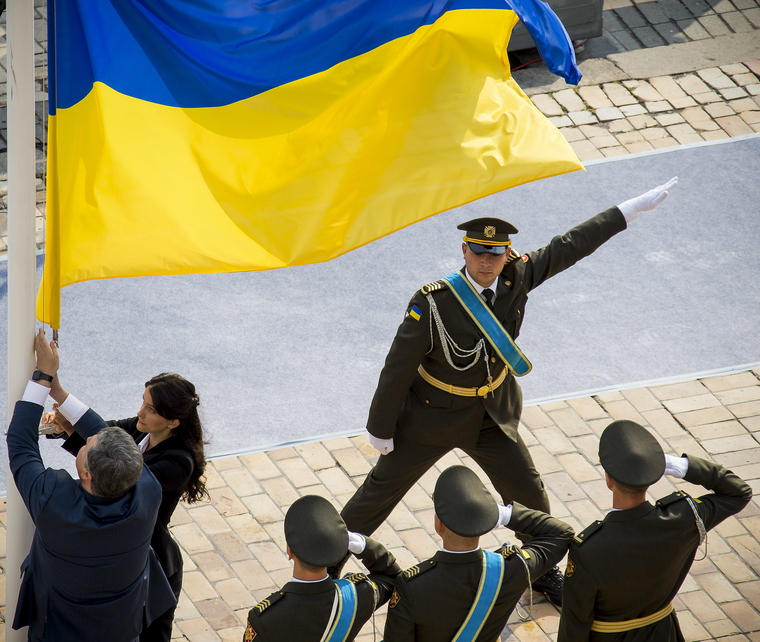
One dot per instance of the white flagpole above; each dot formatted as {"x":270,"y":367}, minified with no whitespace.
{"x":22,"y":271}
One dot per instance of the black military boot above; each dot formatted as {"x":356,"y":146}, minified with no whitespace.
{"x":550,"y":584}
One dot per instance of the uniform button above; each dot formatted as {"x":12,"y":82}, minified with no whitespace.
{"x":427,"y":400}
{"x":518,"y":312}
{"x":493,"y":359}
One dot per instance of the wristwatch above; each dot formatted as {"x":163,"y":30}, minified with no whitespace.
{"x":37,"y":375}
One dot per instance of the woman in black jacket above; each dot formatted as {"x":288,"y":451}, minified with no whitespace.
{"x":169,"y":432}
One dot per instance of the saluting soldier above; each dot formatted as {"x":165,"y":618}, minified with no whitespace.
{"x":464,"y":593}
{"x":624,"y":571}
{"x":449,"y":378}
{"x":312,"y":607}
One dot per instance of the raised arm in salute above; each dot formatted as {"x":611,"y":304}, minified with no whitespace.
{"x":449,"y":378}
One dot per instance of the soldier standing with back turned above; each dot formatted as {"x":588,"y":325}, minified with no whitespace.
{"x":312,"y":607}
{"x":624,"y":571}
{"x":464,"y":593}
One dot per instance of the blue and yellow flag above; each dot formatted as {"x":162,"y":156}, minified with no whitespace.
{"x":234,"y":135}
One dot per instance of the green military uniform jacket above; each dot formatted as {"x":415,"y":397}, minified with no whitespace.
{"x":433,"y":598}
{"x":428,"y":415}
{"x":300,"y":611}
{"x":631,"y":564}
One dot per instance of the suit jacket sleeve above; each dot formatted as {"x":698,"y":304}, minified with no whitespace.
{"x":90,"y":424}
{"x":551,"y":538}
{"x":75,"y":441}
{"x":578,"y":598}
{"x":383,"y":568}
{"x":566,"y":250}
{"x":128,"y":425}
{"x":35,"y":482}
{"x":730,"y":493}
{"x":399,"y":625}
{"x":171,"y":471}
{"x":409,"y":346}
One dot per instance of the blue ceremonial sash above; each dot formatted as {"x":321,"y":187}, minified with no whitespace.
{"x":344,"y":619}
{"x":488,"y":324}
{"x":485,"y":598}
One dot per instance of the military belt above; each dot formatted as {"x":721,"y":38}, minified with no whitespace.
{"x":482,"y":391}
{"x":630,"y":625}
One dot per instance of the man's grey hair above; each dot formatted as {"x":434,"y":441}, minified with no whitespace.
{"x":115,"y":463}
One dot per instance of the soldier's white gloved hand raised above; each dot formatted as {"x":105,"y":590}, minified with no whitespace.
{"x":356,"y":542}
{"x":383,"y":445}
{"x":646,"y":202}
{"x":505,"y":514}
{"x":676,"y":466}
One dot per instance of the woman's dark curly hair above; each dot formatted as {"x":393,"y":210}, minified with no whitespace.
{"x":174,"y":398}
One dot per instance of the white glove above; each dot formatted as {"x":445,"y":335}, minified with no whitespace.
{"x":383,"y":445}
{"x":646,"y":202}
{"x":676,"y":466}
{"x":356,"y":542}
{"x":505,"y":514}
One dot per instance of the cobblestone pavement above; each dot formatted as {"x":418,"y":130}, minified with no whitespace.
{"x":234,"y":546}
{"x":618,"y":118}
{"x":637,"y":24}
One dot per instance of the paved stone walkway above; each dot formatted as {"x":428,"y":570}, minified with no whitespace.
{"x":641,"y":115}
{"x":631,"y":25}
{"x":234,"y":546}
{"x":637,"y":24}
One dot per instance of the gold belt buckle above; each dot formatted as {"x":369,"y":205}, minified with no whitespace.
{"x":484,"y":390}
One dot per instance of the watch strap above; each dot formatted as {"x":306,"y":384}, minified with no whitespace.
{"x":37,"y":375}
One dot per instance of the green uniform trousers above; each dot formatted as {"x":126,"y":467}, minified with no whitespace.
{"x":506,"y":461}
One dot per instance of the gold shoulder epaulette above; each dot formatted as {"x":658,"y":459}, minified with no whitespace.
{"x":673,"y":497}
{"x":355,"y":578}
{"x":419,"y":569}
{"x":508,"y":551}
{"x":265,"y":604}
{"x":513,"y":254}
{"x":435,"y":285}
{"x":583,"y":536}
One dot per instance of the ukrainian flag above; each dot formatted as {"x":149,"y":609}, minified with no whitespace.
{"x":194,"y":136}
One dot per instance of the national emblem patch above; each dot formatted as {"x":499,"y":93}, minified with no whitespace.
{"x":570,"y":568}
{"x":415,"y":313}
{"x":395,"y":598}
{"x":525,"y":258}
{"x":249,"y":633}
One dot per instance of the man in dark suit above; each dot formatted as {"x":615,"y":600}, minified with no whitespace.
{"x":449,"y":378}
{"x":312,"y":607}
{"x":452,"y":596}
{"x":624,"y":571}
{"x":90,"y":574}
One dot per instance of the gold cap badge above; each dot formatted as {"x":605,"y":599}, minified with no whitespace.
{"x":489,"y":231}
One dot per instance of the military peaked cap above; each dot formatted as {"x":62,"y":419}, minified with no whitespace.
{"x":463,"y":504}
{"x":487,"y":235}
{"x":315,"y":531}
{"x":630,"y":454}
